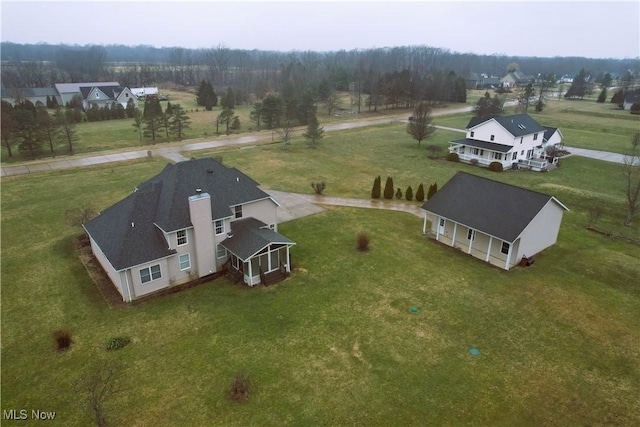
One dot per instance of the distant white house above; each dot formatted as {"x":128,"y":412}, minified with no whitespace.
{"x":106,"y":95}
{"x":515,"y":141}
{"x":68,"y":90}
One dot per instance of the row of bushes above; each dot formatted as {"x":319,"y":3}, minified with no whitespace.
{"x":493,"y":166}
{"x":389,"y":190}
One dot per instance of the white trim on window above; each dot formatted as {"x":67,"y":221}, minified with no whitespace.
{"x":218,"y":225}
{"x":184,"y":261}
{"x":237,"y":210}
{"x":493,"y":137}
{"x":149,"y":274}
{"x":471,"y":234}
{"x":505,"y":248}
{"x":221,"y":251}
{"x":181,"y":237}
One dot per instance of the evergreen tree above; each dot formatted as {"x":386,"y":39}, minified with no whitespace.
{"x":314,"y":131}
{"x":272,"y":111}
{"x":603,"y":95}
{"x":399,"y":193}
{"x":388,"y":188}
{"x":420,"y":193}
{"x":618,"y":98}
{"x":409,"y":193}
{"x":206,"y":96}
{"x":578,"y":86}
{"x":179,"y":121}
{"x":487,"y":106}
{"x":433,"y":189}
{"x":131,"y":109}
{"x":153,"y":120}
{"x":28,"y":130}
{"x":8,"y":126}
{"x":226,"y":117}
{"x":375,"y":191}
{"x":228,"y":99}
{"x":256,"y":115}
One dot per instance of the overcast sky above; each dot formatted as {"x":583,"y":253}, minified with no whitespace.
{"x":594,"y":29}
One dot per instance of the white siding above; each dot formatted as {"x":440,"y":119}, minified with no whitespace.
{"x":140,"y":289}
{"x":108,"y":268}
{"x":263,"y":210}
{"x":484,"y":131}
{"x":542,"y":231}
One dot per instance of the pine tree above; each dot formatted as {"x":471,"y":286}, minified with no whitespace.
{"x":375,"y":192}
{"x":206,"y":96}
{"x":228,"y":99}
{"x":399,"y":193}
{"x":409,"y":193}
{"x":388,"y":188}
{"x":433,"y":189}
{"x":420,"y":193}
{"x":179,"y":121}
{"x":603,"y":95}
{"x":314,"y":131}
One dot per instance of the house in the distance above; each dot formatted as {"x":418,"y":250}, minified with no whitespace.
{"x":36,"y":95}
{"x":515,"y":79}
{"x":631,"y":98}
{"x":516,"y":141}
{"x":498,"y":223}
{"x":68,"y":90}
{"x":102,"y":96}
{"x":194,"y":219}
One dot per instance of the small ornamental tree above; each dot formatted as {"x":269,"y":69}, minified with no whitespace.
{"x":603,"y":95}
{"x":618,"y":98}
{"x":420,"y":193}
{"x":388,"y":188}
{"x":409,"y":193}
{"x":375,"y":191}
{"x":399,"y":193}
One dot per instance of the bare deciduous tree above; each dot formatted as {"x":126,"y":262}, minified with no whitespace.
{"x":419,"y":126}
{"x":97,"y":388}
{"x":631,"y":174}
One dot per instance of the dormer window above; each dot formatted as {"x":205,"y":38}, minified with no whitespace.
{"x":238,"y":211}
{"x":493,"y":137}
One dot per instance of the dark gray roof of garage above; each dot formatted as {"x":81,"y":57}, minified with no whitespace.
{"x":250,"y":236}
{"x":128,"y":232}
{"x":495,"y":208}
{"x":516,"y":125}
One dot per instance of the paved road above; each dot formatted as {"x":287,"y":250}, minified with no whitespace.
{"x":174,"y":152}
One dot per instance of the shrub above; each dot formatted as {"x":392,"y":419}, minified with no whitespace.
{"x":635,"y":108}
{"x":409,"y":193}
{"x":399,"y":194}
{"x":375,"y":191}
{"x":495,"y":166}
{"x":117,"y":343}
{"x":453,"y":157}
{"x":388,"y":188}
{"x":474,"y":162}
{"x":420,"y":193}
{"x":318,"y":187}
{"x":363,"y":242}
{"x":63,"y":339}
{"x":240,"y":387}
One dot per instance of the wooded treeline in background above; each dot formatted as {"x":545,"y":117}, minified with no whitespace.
{"x":257,"y":71}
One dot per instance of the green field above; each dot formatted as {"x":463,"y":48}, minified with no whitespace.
{"x":337,"y":343}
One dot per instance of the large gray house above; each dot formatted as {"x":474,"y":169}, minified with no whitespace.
{"x":496,"y":222}
{"x":192,"y":220}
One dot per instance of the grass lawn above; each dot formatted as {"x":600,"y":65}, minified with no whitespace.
{"x":337,"y":343}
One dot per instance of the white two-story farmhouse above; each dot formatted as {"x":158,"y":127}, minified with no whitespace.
{"x":514,"y":141}
{"x":194,"y":219}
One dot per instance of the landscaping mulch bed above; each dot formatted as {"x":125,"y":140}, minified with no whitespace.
{"x":109,"y":291}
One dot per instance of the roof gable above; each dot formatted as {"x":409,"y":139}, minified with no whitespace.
{"x":492,"y":207}
{"x":249,"y":236}
{"x":516,"y":125}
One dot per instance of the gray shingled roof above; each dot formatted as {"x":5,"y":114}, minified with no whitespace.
{"x":501,"y":148}
{"x":548,"y":132}
{"x":163,"y":201}
{"x":516,"y":125}
{"x":250,"y":236}
{"x":492,"y":207}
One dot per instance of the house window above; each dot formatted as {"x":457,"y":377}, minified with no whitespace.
{"x":238,"y":211}
{"x":150,"y":273}
{"x":535,"y":136}
{"x":471,"y":234}
{"x":475,"y":151}
{"x":529,"y":154}
{"x":521,"y":138}
{"x":505,"y":248}
{"x":182,"y":237}
{"x":219,"y":225}
{"x":472,"y":134}
{"x":185,"y":262}
{"x":493,"y":137}
{"x":497,"y":156}
{"x":221,"y":252}
{"x":522,"y":153}
{"x":481,"y":153}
